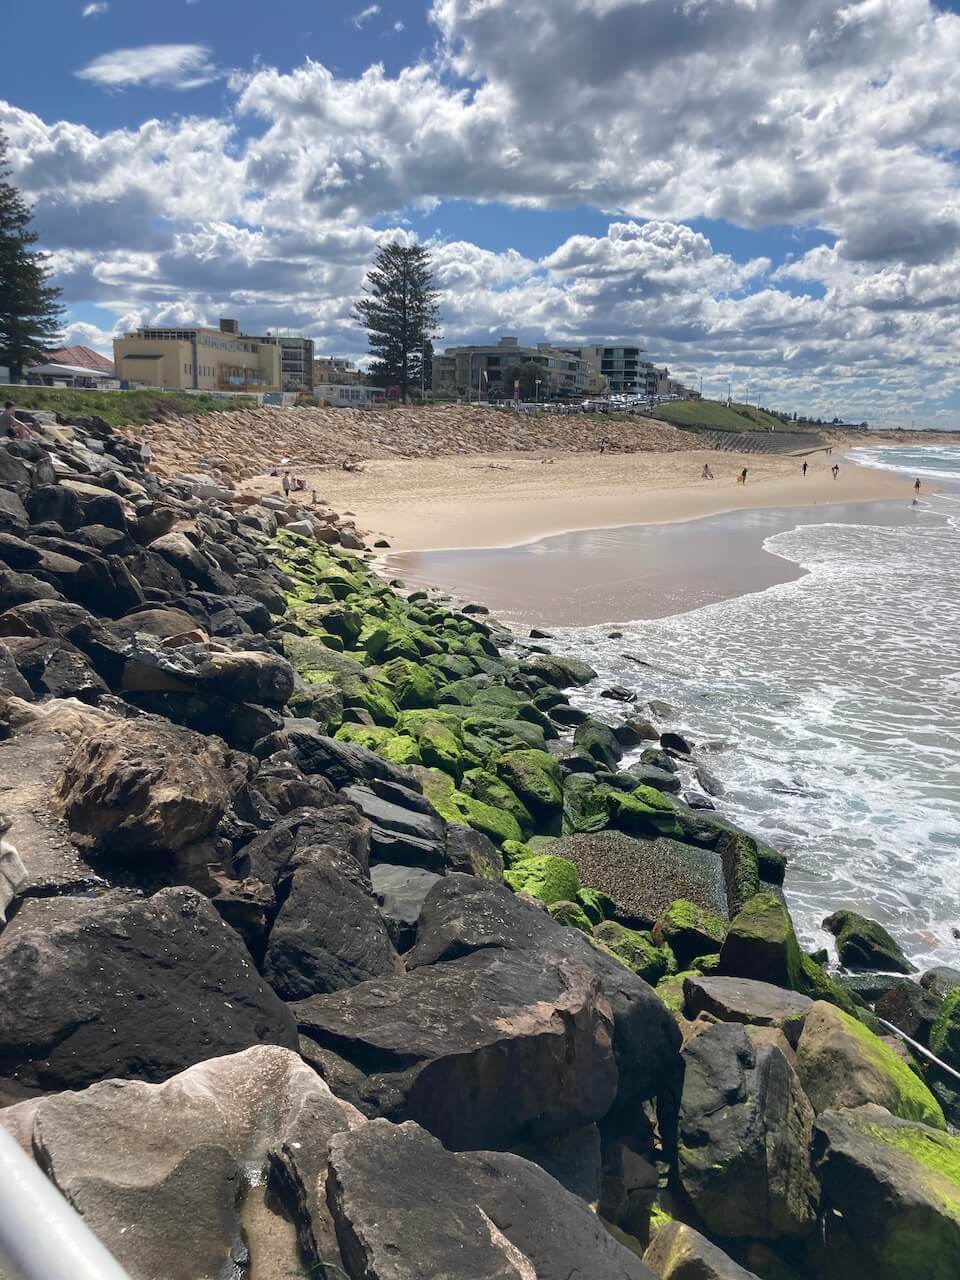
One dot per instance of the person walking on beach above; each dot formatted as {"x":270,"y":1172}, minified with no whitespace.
{"x":804,"y":468}
{"x":603,"y":444}
{"x":742,"y":477}
{"x":706,"y":473}
{"x":285,"y":482}
{"x":836,"y":470}
{"x":916,"y":488}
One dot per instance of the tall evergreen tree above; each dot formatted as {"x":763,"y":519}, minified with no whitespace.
{"x":30,"y":313}
{"x":400,"y":313}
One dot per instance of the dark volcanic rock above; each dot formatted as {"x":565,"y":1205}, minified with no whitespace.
{"x":125,"y":986}
{"x":340,"y":826}
{"x":143,"y":786}
{"x":463,"y":915}
{"x":911,"y":1008}
{"x":677,"y":1252}
{"x":757,"y":1004}
{"x":328,"y":934}
{"x":491,"y":1049}
{"x":401,"y":892}
{"x":341,"y":763}
{"x":745,"y":1133}
{"x":404,"y":1207}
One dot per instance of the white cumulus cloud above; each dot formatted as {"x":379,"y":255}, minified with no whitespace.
{"x":169,"y":66}
{"x":365,"y":15}
{"x":94,"y":10}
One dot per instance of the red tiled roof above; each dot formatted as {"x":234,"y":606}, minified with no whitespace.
{"x":81,"y":358}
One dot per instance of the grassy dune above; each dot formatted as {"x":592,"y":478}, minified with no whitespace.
{"x":711,"y":413}
{"x":122,"y":408}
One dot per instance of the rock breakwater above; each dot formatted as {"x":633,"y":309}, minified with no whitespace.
{"x":340,"y":942}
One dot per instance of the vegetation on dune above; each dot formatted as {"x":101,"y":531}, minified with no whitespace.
{"x":125,"y":408}
{"x":720,"y":417}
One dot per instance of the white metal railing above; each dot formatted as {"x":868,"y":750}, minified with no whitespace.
{"x":42,"y":1237}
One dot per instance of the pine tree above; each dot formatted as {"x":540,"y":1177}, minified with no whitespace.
{"x":30,"y":313}
{"x":400,"y":313}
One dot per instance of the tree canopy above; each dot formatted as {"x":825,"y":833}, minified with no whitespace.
{"x":30,"y":312}
{"x":527,"y":374}
{"x":400,"y":314}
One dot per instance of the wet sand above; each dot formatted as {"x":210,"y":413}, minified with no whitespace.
{"x":624,"y":574}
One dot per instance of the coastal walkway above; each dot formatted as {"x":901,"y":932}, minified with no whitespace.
{"x":757,"y":441}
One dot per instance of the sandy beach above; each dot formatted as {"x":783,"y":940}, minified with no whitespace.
{"x":505,"y":499}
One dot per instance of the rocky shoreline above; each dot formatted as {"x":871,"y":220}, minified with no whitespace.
{"x":339,"y":941}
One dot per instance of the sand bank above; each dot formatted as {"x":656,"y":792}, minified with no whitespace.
{"x":507,"y":499}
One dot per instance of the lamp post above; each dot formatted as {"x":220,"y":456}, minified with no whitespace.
{"x":536,"y":400}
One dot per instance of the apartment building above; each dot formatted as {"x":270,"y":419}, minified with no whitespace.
{"x":461,"y":370}
{"x":624,"y":370}
{"x":201,"y":358}
{"x":335,"y":371}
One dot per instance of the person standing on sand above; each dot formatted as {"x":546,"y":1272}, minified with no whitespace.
{"x":916,"y":487}
{"x":285,"y":482}
{"x":603,"y":444}
{"x":804,"y":468}
{"x":836,"y":470}
{"x":742,"y":477}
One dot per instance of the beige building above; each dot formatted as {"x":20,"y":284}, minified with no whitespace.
{"x":461,"y":370}
{"x":205,"y":359}
{"x":336,"y":371}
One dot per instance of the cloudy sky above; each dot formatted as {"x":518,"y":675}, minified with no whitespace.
{"x":759,"y":191}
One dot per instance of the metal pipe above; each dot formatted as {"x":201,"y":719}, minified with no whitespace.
{"x":918,"y":1047}
{"x":42,"y":1237}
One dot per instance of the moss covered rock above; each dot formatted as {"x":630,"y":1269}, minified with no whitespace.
{"x":597,"y":740}
{"x":643,"y":812}
{"x":411,"y":684}
{"x":545,"y":877}
{"x":864,"y":944}
{"x":562,"y":673}
{"x":690,"y":930}
{"x":895,"y":1186}
{"x":597,"y":906}
{"x":636,"y":949}
{"x":486,"y":786}
{"x":761,"y":944}
{"x":571,"y":914}
{"x":842,"y":1064}
{"x":586,"y":804}
{"x":535,"y":777}
{"x":491,"y":735}
{"x":670,"y":989}
{"x":945,"y":1033}
{"x":455,"y":806}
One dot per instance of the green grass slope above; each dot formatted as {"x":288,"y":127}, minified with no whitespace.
{"x":719,"y":417}
{"x":121,"y":408}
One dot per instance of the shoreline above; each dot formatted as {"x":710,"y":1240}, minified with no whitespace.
{"x":500,"y":501}
{"x":631,"y":573}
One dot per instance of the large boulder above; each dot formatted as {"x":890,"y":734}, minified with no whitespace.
{"x":690,"y":931}
{"x":328,"y":933}
{"x":141,"y":787}
{"x":677,"y":1252}
{"x":125,"y":986}
{"x":490,"y":1049}
{"x":463,"y":915}
{"x":894,"y":1188}
{"x":404,"y":1208}
{"x":755,"y":1004}
{"x":864,"y":944}
{"x":745,"y":1133}
{"x":199,"y":1164}
{"x":268,"y":856}
{"x":842,"y":1064}
{"x":761,"y":943}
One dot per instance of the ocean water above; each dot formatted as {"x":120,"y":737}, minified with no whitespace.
{"x":829,"y":707}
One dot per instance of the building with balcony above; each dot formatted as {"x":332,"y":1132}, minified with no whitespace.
{"x":462,"y":370}
{"x":626,"y":373}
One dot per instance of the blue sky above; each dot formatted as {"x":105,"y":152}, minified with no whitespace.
{"x":764,"y":195}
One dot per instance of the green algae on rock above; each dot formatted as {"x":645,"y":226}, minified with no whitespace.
{"x":545,"y":877}
{"x":864,"y":944}
{"x":636,"y":949}
{"x":571,"y":914}
{"x":690,"y":930}
{"x":843,"y":1064}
